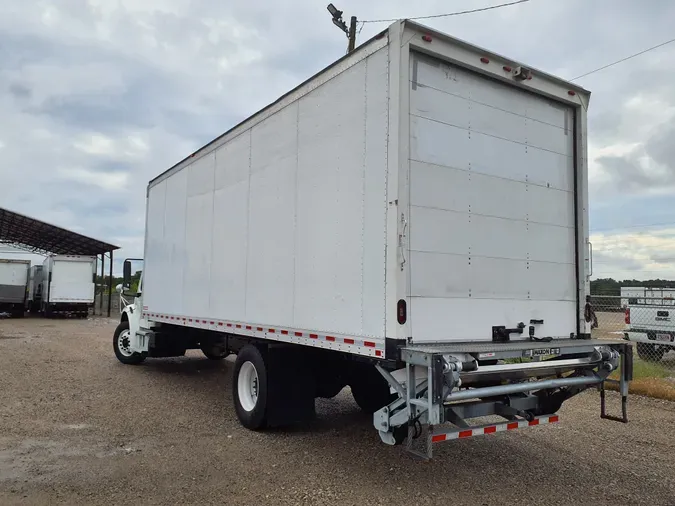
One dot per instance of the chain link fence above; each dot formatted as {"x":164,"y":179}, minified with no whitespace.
{"x":647,"y":322}
{"x":102,"y":310}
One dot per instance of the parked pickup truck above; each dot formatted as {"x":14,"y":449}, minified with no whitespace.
{"x":652,"y":327}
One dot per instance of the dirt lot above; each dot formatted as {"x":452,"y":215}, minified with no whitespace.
{"x":77,"y":427}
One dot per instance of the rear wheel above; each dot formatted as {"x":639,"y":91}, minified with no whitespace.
{"x":650,"y":352}
{"x":214,"y":351}
{"x":249,"y":388}
{"x":122,"y":346}
{"x":370,"y":390}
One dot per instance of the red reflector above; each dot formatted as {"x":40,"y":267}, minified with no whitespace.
{"x":553,"y":419}
{"x":314,"y":336}
{"x":190,"y":319}
{"x":438,"y":438}
{"x":533,"y":422}
{"x":238,"y":326}
{"x":369,"y":344}
{"x":272,"y":331}
{"x":284,"y":332}
{"x":213,"y":323}
{"x":512,"y":425}
{"x":490,"y":430}
{"x":571,"y":93}
{"x":349,"y":341}
{"x":484,"y":60}
{"x":627,"y":315}
{"x":248,"y":327}
{"x":507,"y":68}
{"x":260,"y":329}
{"x":426,"y":38}
{"x":401,"y":312}
{"x":378,"y":353}
{"x":203,"y":321}
{"x":330,"y":338}
{"x":465,"y":433}
{"x":298,"y":334}
{"x":220,"y":324}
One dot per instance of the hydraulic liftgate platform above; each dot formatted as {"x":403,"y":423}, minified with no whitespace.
{"x":524,"y":382}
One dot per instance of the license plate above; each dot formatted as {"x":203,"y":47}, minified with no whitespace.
{"x":663,"y":337}
{"x":541,"y":352}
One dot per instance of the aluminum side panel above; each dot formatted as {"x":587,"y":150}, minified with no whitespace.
{"x":284,"y":224}
{"x":174,"y":240}
{"x":328,"y":289}
{"x":270,"y":263}
{"x":230,"y":229}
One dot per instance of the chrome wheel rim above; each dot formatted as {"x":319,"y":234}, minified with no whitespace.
{"x":124,"y":343}
{"x":248,"y":386}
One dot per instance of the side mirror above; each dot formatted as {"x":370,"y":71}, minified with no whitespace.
{"x":118,"y":288}
{"x":126,"y":275}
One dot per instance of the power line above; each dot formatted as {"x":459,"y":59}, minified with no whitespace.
{"x":623,"y":59}
{"x":445,"y":15}
{"x":664,"y":224}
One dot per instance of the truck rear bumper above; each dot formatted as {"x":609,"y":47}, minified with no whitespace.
{"x":651,"y":337}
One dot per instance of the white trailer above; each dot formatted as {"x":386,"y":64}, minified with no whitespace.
{"x":13,"y":282}
{"x":68,"y":285}
{"x":403,"y":223}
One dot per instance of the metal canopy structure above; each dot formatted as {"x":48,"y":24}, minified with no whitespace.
{"x":43,"y":238}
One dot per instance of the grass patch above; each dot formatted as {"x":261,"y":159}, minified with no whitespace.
{"x":642,"y":370}
{"x":649,"y":379}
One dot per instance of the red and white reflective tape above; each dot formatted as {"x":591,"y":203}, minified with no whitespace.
{"x":360,"y":346}
{"x":491,"y":429}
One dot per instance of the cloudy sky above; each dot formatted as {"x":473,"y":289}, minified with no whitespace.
{"x":99,"y":96}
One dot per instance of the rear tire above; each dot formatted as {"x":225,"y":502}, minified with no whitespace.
{"x":650,"y":352}
{"x":214,"y":352}
{"x":370,"y":390}
{"x":249,"y":388}
{"x":121,"y":343}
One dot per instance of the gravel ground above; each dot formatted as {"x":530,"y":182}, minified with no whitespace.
{"x":77,"y":427}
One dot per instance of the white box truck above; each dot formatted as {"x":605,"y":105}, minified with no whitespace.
{"x":68,"y":285}
{"x":13,"y":283}
{"x":407,"y":222}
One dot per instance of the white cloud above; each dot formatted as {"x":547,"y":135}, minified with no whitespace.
{"x":99,"y":96}
{"x":105,"y":181}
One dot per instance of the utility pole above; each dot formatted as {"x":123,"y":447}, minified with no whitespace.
{"x":339,"y":22}
{"x":352,"y":35}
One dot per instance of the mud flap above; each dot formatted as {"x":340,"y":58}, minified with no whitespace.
{"x":290,"y":387}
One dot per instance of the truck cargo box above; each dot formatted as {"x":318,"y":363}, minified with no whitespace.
{"x":13,"y":281}
{"x":432,"y":193}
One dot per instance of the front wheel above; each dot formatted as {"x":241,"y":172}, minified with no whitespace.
{"x":122,"y":346}
{"x":249,"y":388}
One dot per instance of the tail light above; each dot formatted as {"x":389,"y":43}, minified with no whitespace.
{"x":627,"y":317}
{"x":401,"y":312}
